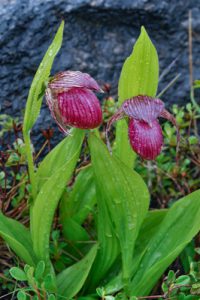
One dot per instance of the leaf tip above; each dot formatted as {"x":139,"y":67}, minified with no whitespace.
{"x":143,"y":29}
{"x":144,"y":32}
{"x":62,"y":24}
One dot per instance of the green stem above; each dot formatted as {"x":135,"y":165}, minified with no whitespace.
{"x":29,"y":155}
{"x":126,"y":275}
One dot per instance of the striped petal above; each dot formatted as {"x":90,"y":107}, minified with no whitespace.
{"x":143,"y":108}
{"x":69,"y":79}
{"x":145,"y":140}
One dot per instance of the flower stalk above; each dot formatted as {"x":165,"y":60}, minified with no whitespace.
{"x":29,"y":156}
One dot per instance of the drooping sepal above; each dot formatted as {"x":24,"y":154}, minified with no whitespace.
{"x":69,"y":79}
{"x":143,"y":108}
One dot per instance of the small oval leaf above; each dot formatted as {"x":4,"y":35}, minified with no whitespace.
{"x":21,"y":295}
{"x":18,"y":274}
{"x":39,"y":269}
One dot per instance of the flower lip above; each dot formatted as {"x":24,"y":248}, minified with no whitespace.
{"x":146,"y":141}
{"x":69,"y":79}
{"x":84,"y":113}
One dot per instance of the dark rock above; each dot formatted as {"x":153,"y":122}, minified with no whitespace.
{"x":99,"y":35}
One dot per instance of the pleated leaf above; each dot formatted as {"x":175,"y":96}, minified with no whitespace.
{"x":79,"y":202}
{"x":48,"y":198}
{"x":74,"y":208}
{"x":119,"y":186}
{"x":18,"y":238}
{"x":37,"y":89}
{"x":73,"y":231}
{"x":139,"y":76}
{"x":71,"y":280}
{"x":178,"y":228}
{"x":58,"y":156}
{"x":108,"y":245}
{"x":148,"y":229}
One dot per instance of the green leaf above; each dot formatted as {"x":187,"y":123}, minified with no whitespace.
{"x":51,"y":297}
{"x":108,"y":245}
{"x":197,"y":84}
{"x":191,"y":297}
{"x":30,"y":275}
{"x":38,"y":85}
{"x":195,"y":290}
{"x":49,"y":283}
{"x":80,"y":201}
{"x":148,"y":229}
{"x":139,"y":76}
{"x":21,"y":295}
{"x":75,"y":207}
{"x":171,"y":277}
{"x":71,"y":280}
{"x":58,"y":156}
{"x":18,"y":274}
{"x":122,"y":147}
{"x":18,"y":238}
{"x":121,"y":296}
{"x":164,"y":287}
{"x":48,"y":198}
{"x":119,"y":186}
{"x":89,"y":297}
{"x":39,"y":271}
{"x":73,"y":231}
{"x":188,"y":256}
{"x":100,"y":292}
{"x":109,"y":298}
{"x":182,"y":280}
{"x":178,"y":228}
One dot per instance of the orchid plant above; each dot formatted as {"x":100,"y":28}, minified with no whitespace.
{"x":129,"y":246}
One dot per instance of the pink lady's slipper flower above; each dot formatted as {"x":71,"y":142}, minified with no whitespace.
{"x":72,"y":102}
{"x":145,"y":133}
